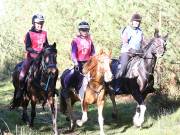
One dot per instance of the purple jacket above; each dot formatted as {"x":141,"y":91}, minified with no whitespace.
{"x":75,"y":51}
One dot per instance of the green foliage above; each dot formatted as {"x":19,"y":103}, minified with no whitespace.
{"x":106,"y":17}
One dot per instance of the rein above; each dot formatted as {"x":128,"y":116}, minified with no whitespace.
{"x":47,"y":84}
{"x":85,"y":75}
{"x":43,"y":71}
{"x":100,"y":88}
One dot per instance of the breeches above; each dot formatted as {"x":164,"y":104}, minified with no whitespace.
{"x":25,"y":67}
{"x":124,"y":61}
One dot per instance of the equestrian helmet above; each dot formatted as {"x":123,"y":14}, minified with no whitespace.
{"x":37,"y":18}
{"x":136,"y":17}
{"x":83,"y":26}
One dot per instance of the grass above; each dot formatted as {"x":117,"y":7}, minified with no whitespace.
{"x":106,"y":18}
{"x":162,"y":117}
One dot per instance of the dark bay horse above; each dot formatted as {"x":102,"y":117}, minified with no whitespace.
{"x":96,"y":71}
{"x":40,"y":84}
{"x":139,"y":79}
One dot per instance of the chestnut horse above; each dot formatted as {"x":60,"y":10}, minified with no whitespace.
{"x":139,"y":78}
{"x":40,"y":85}
{"x":96,"y":71}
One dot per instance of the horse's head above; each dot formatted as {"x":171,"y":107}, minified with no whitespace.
{"x":158,"y":44}
{"x":99,"y":66}
{"x":49,"y":58}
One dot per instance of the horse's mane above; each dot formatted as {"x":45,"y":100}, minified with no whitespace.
{"x":48,"y":49}
{"x":90,"y":64}
{"x":148,"y":45}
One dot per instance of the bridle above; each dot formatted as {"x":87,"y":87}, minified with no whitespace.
{"x":100,"y":88}
{"x":151,"y":44}
{"x":155,"y":45}
{"x":45,"y":66}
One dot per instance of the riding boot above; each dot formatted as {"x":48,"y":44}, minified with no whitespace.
{"x":122,"y":67}
{"x":20,"y":91}
{"x":116,"y":85}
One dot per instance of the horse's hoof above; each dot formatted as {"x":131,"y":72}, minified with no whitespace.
{"x":31,"y":125}
{"x":102,"y":133}
{"x":25,"y":120}
{"x":137,"y":123}
{"x":114,"y":116}
{"x":56,"y":133}
{"x":67,"y":119}
{"x":67,"y":131}
{"x":79,"y":123}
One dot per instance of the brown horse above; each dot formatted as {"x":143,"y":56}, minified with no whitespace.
{"x":96,"y":71}
{"x":40,"y":85}
{"x":139,"y":78}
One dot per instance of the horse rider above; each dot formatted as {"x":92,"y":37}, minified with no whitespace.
{"x":132,"y":41}
{"x":35,"y":41}
{"x":82,"y":48}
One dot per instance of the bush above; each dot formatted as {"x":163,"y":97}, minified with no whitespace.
{"x":106,"y":18}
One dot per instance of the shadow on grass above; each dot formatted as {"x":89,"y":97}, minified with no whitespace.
{"x":160,"y":104}
{"x":157,"y":105}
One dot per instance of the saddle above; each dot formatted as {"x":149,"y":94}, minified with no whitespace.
{"x":131,"y":62}
{"x":116,"y":63}
{"x":70,"y":79}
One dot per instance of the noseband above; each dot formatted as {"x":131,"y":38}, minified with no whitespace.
{"x":48,"y":52}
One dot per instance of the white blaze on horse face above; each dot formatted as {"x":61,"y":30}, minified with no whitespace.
{"x":107,"y":70}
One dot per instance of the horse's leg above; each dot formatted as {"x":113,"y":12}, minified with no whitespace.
{"x":114,"y":111}
{"x":84,"y":117}
{"x":100,"y":105}
{"x":70,"y":114}
{"x":25,"y":117}
{"x":138,"y":118}
{"x":54,"y":114}
{"x":33,"y":112}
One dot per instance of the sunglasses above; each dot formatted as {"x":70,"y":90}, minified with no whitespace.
{"x":41,"y":23}
{"x":84,"y":29}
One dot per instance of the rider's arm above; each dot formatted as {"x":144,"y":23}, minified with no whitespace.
{"x":125,"y":38}
{"x":46,"y":43}
{"x":74,"y":52}
{"x":28,"y":44}
{"x":125,"y":41}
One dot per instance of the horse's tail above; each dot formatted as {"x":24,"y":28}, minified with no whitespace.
{"x":15,"y":80}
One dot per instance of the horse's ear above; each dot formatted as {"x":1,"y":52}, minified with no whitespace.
{"x":110,"y":52}
{"x":101,"y":51}
{"x":45,"y":44}
{"x":156,"y":33}
{"x":54,"y":45}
